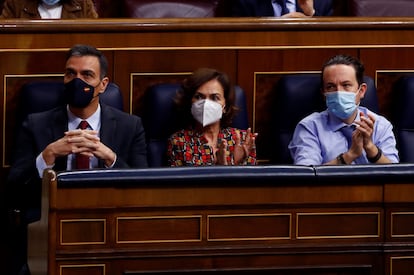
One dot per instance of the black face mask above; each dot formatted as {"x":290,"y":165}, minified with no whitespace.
{"x":78,"y":93}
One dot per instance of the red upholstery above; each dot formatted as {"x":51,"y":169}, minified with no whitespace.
{"x":381,"y":7}
{"x":164,"y":9}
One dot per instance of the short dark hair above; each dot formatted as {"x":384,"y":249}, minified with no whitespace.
{"x":86,"y":50}
{"x":190,"y":86}
{"x":346,"y":60}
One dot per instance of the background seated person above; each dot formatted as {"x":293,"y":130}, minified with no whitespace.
{"x":49,"y":9}
{"x":206,"y":102}
{"x":281,"y":8}
{"x":345,"y":133}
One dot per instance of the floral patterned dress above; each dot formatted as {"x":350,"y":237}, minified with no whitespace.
{"x":190,"y":148}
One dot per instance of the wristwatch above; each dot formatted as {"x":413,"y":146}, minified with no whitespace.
{"x":341,"y":159}
{"x":376,"y":157}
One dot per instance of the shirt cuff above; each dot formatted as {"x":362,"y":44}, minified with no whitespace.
{"x":113,"y":163}
{"x":41,"y":165}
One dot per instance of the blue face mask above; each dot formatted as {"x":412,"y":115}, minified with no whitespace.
{"x":50,"y":2}
{"x":341,"y":104}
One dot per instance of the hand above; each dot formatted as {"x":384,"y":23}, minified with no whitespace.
{"x":356,"y":148}
{"x":362,"y":137}
{"x":307,"y":7}
{"x":82,"y":141}
{"x":366,"y":128}
{"x":221,"y":153}
{"x":68,"y":144}
{"x":294,"y":14}
{"x":85,"y":142}
{"x":243,"y":148}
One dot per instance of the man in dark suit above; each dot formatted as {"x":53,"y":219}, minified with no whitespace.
{"x":51,"y":139}
{"x":284,"y":8}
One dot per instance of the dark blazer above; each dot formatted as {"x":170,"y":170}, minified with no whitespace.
{"x":120,"y":131}
{"x":257,"y":8}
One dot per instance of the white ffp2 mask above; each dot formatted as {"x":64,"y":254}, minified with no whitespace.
{"x":206,"y":111}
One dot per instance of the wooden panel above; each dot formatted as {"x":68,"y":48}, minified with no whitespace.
{"x":249,"y":227}
{"x":399,"y":223}
{"x":82,"y":231}
{"x":216,"y":195}
{"x":402,"y":265}
{"x":346,"y":270}
{"x":158,"y":229}
{"x":402,"y":224}
{"x":84,"y":269}
{"x":338,"y":225}
{"x":398,"y":193}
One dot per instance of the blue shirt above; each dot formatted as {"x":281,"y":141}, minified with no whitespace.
{"x":317,"y":139}
{"x":290,"y":5}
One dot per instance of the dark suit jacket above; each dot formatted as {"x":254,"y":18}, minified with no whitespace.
{"x":121,"y":132}
{"x":257,"y":8}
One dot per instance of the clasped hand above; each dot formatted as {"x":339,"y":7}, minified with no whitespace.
{"x":362,"y":136}
{"x":307,"y":8}
{"x":242,"y":148}
{"x":85,"y":142}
